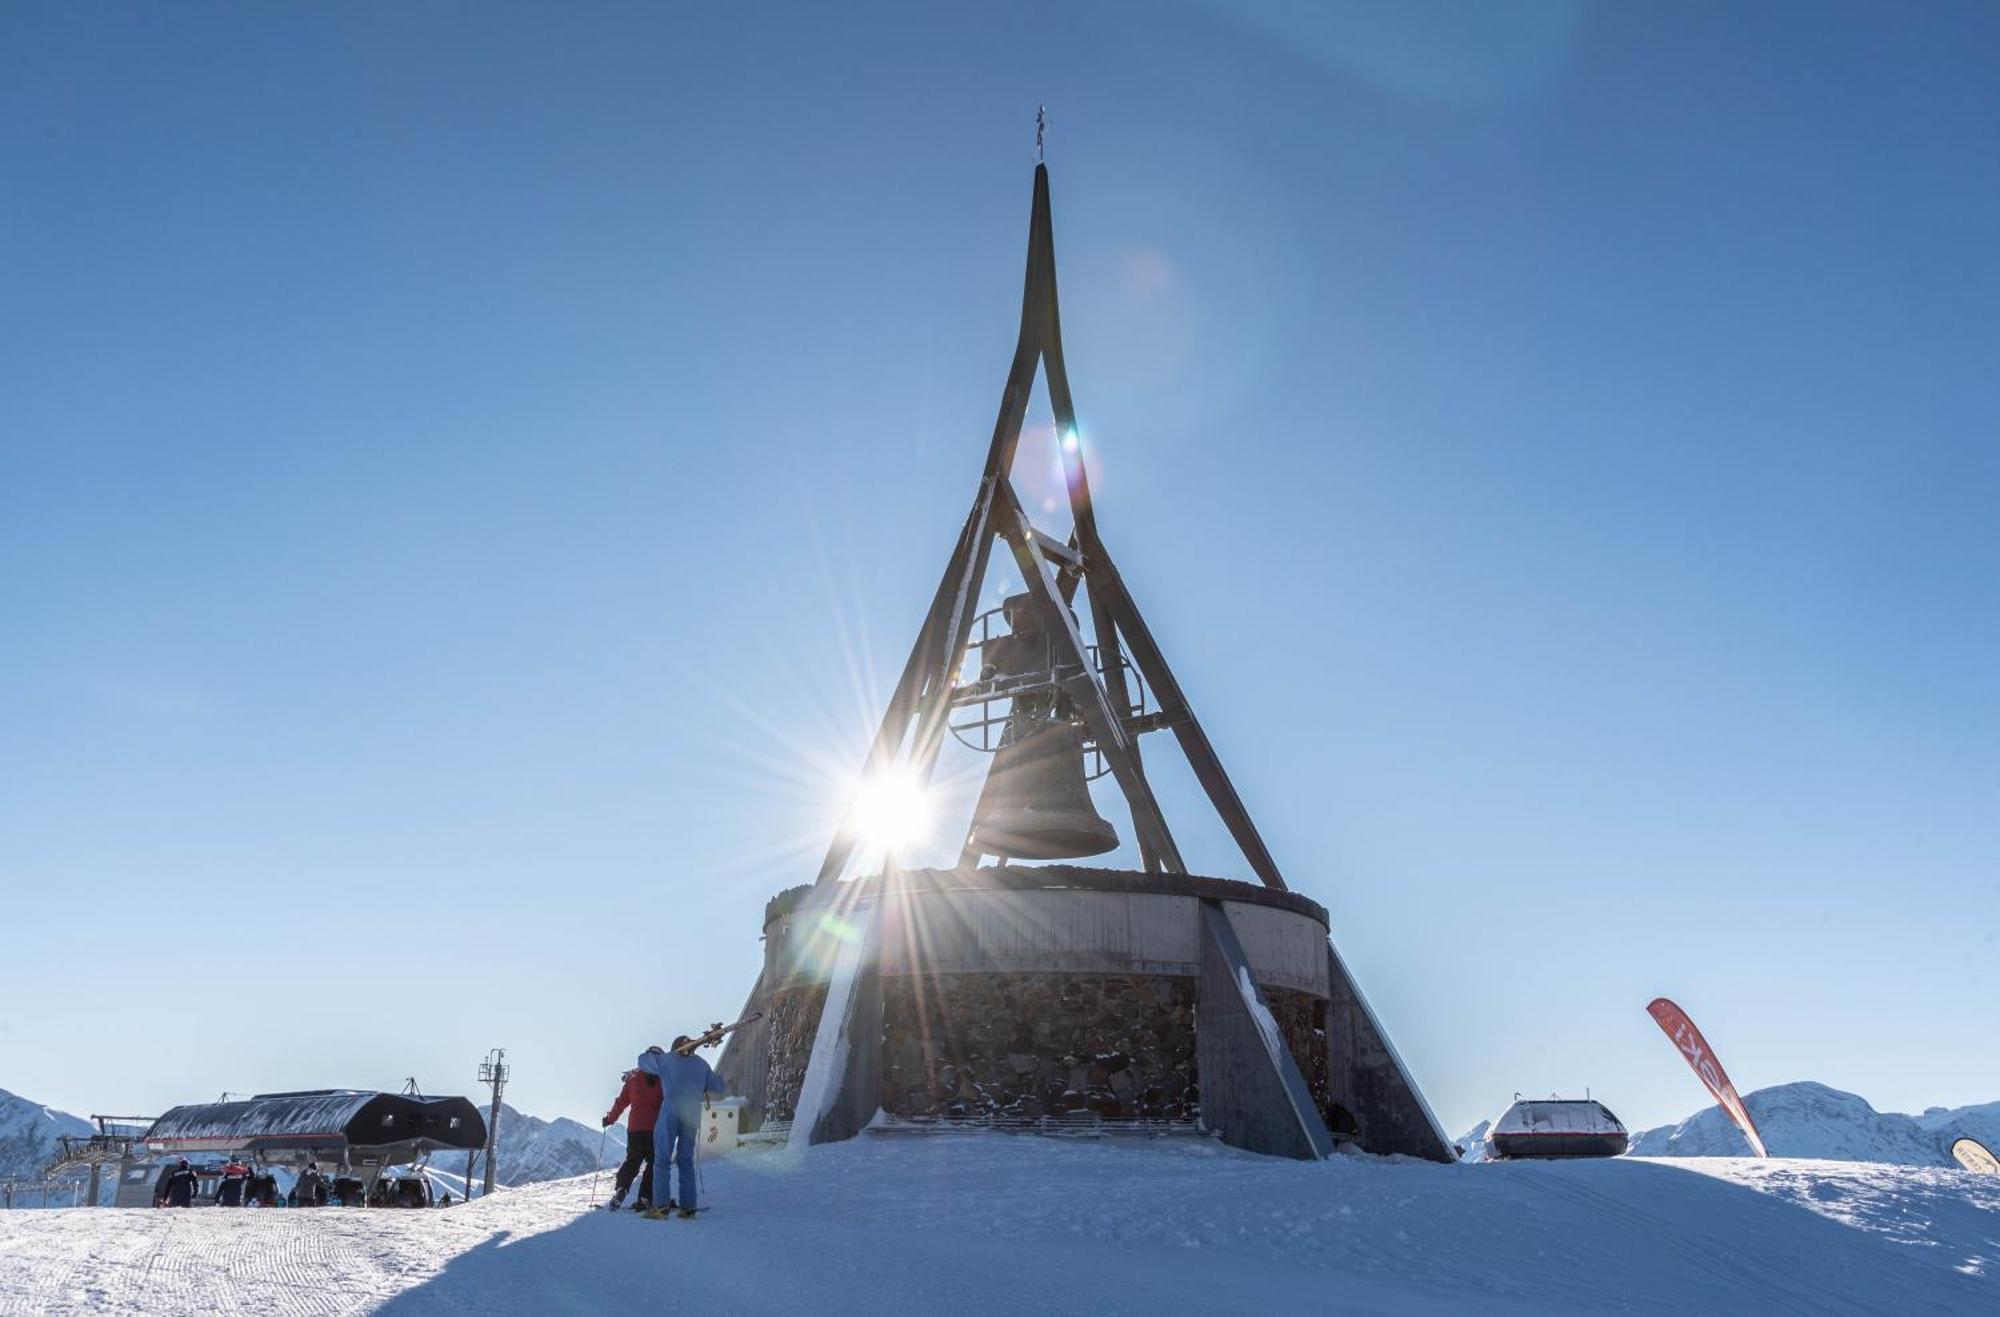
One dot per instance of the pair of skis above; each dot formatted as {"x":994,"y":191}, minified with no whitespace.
{"x":650,"y":1213}
{"x":716,"y":1033}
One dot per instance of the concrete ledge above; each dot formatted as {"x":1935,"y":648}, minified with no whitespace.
{"x":1018,"y":878}
{"x":1027,"y":921}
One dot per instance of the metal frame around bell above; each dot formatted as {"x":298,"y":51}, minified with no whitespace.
{"x":1052,"y":570}
{"x":1139,"y":715}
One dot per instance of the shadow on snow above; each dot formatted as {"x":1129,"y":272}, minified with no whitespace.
{"x":1003,"y":1225}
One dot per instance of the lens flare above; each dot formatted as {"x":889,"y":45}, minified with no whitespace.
{"x":834,"y":926}
{"x":891,"y":811}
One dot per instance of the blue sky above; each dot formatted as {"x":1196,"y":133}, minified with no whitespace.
{"x":469,"y":475}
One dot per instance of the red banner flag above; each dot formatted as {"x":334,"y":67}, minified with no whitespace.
{"x":1701,"y":1059}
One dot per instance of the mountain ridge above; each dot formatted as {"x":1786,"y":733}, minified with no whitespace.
{"x":1808,"y":1119}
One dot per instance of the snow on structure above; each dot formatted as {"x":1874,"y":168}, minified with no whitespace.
{"x":1556,"y":1127}
{"x":826,"y":1069}
{"x":1260,"y":1014}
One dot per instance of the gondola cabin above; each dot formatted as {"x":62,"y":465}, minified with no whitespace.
{"x":1556,"y":1127}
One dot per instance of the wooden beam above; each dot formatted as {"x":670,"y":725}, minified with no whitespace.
{"x":1056,"y":550}
{"x":1037,"y":310}
{"x":919,"y":670}
{"x":1201,"y":756}
{"x":1083,"y":512}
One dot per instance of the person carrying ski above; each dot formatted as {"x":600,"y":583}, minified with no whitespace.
{"x":176,"y":1186}
{"x":685,"y":1082}
{"x":641,"y":1095}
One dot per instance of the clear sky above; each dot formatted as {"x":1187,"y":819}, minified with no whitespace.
{"x":470,"y":473}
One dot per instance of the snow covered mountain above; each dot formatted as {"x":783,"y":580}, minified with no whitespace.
{"x":1806,"y":1119}
{"x":533,"y":1150}
{"x":28,"y":1133}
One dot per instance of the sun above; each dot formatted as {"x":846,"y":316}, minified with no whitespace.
{"x":891,"y":810}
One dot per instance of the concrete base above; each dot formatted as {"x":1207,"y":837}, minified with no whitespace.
{"x":1008,"y":996}
{"x":1252,"y":1093}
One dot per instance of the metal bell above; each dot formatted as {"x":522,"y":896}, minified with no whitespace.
{"x":1036,"y":803}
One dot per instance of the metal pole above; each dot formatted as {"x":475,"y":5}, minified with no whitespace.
{"x":492,"y":1140}
{"x":604,"y":1130}
{"x":493,"y":1071}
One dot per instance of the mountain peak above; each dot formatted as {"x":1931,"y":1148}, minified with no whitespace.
{"x":1806,"y":1118}
{"x":1810,"y":1119}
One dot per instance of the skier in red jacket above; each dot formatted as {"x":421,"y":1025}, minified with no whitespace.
{"x":641,"y":1094}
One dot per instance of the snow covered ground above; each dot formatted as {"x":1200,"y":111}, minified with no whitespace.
{"x":1008,"y":1224}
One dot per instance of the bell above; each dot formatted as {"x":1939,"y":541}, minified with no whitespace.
{"x":1036,"y":803}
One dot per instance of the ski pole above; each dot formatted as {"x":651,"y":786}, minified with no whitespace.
{"x":601,"y":1132}
{"x":700,"y":1180}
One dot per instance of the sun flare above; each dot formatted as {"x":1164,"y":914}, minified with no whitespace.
{"x":891,"y":811}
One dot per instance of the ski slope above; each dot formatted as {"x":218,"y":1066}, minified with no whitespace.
{"x":1001,"y":1224}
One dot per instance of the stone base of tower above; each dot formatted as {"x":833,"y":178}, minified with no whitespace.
{"x":1018,"y":997}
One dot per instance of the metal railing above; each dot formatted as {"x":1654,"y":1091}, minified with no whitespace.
{"x":42,"y":1193}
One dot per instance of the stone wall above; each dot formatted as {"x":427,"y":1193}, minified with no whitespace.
{"x":1025,"y":1046}
{"x":790,"y":1023}
{"x":1302,"y":1021}
{"x":1012,"y":1047}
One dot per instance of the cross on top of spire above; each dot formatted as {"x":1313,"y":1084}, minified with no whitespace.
{"x":1041,"y":130}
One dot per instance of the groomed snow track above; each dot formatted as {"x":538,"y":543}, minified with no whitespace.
{"x":980,"y":1224}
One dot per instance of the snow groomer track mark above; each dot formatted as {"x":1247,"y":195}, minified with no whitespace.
{"x":1141,"y":1228}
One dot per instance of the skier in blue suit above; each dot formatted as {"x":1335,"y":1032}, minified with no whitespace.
{"x":685,"y":1083}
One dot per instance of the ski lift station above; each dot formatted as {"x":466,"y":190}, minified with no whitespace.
{"x":354,"y":1134}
